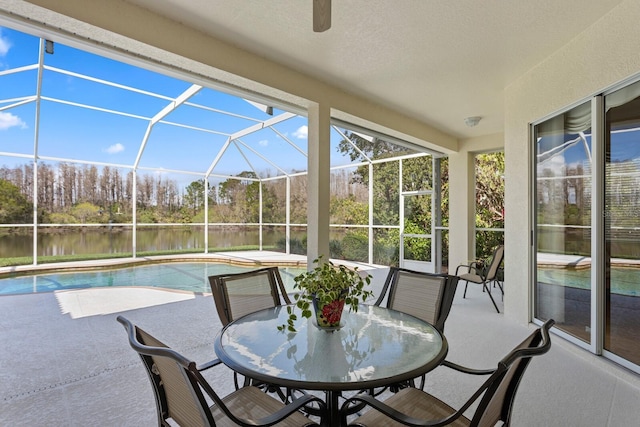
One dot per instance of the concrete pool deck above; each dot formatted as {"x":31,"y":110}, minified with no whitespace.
{"x":66,"y":361}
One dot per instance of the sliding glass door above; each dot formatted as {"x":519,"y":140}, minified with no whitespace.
{"x":587,"y":224}
{"x":622,"y":224}
{"x":563,"y":232}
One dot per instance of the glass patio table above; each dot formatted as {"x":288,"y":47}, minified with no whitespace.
{"x":374,"y":347}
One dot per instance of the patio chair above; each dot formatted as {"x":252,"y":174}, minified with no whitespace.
{"x":238,"y":294}
{"x":181,"y":391}
{"x":484,"y":275}
{"x":496,"y":395}
{"x":423,"y":295}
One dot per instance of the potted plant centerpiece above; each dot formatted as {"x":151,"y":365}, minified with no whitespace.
{"x":325,"y":291}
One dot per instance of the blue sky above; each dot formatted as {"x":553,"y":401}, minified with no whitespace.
{"x":625,"y":146}
{"x":68,"y":131}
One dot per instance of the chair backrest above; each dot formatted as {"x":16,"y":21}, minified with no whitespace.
{"x":175,"y":380}
{"x":501,"y":387}
{"x":496,"y":260}
{"x":447,"y":301}
{"x":238,"y":294}
{"x":423,"y":295}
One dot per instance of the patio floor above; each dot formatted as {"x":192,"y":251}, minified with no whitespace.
{"x":66,"y":361}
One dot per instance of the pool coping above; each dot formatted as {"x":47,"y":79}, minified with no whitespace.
{"x":242,"y":258}
{"x":245,"y":258}
{"x":577,"y":262}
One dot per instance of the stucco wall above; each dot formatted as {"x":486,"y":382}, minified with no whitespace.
{"x":605,"y":54}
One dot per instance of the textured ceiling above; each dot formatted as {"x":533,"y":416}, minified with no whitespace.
{"x":436,"y":60}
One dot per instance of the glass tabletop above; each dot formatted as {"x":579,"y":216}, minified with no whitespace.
{"x":375,"y":346}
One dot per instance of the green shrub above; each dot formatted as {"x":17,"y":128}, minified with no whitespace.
{"x":297,"y":246}
{"x":335,"y":249}
{"x":386,"y":255}
{"x":356,"y":246}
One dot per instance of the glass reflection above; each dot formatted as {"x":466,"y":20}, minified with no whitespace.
{"x":375,"y":343}
{"x":622,"y":224}
{"x":563,"y":186}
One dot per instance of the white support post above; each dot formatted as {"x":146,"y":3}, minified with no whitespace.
{"x":372,"y":238}
{"x":318,"y":183}
{"x":134,"y":212}
{"x":288,"y":216}
{"x":436,"y":215}
{"x":36,"y":137}
{"x":206,"y":214}
{"x":461,"y":208}
{"x":260,"y":226}
{"x":401,"y":216}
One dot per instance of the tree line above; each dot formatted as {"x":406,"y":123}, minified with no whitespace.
{"x":80,"y":194}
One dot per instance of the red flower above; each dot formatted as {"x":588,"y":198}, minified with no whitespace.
{"x":332,"y":312}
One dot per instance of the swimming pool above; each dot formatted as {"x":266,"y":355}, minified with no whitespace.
{"x":187,"y":276}
{"x":624,"y":281}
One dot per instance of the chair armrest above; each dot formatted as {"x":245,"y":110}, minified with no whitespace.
{"x":289,"y":409}
{"x":469,"y":267}
{"x":208,"y":365}
{"x":466,"y":370}
{"x":397,"y":415}
{"x":476,"y":266}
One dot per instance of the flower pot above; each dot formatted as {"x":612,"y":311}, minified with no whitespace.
{"x":336,"y":285}
{"x":328,"y":316}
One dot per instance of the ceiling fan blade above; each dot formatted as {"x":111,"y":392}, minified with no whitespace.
{"x":321,"y":15}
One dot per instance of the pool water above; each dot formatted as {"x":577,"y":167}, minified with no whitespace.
{"x":188,"y":276}
{"x":624,"y":281}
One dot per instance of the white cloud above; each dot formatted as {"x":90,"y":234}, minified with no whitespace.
{"x":115,"y":148}
{"x":555,"y":163}
{"x":8,"y":120}
{"x":302,"y":132}
{"x":5,"y":45}
{"x":263,"y":142}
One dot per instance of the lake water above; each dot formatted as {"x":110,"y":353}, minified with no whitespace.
{"x":120,"y":240}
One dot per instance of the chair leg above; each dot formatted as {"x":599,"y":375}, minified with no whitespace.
{"x":499,"y":286}
{"x":484,"y":287}
{"x":465,"y":289}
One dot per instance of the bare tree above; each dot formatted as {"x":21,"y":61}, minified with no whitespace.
{"x":145,"y":191}
{"x":46,"y":187}
{"x":91,"y":184}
